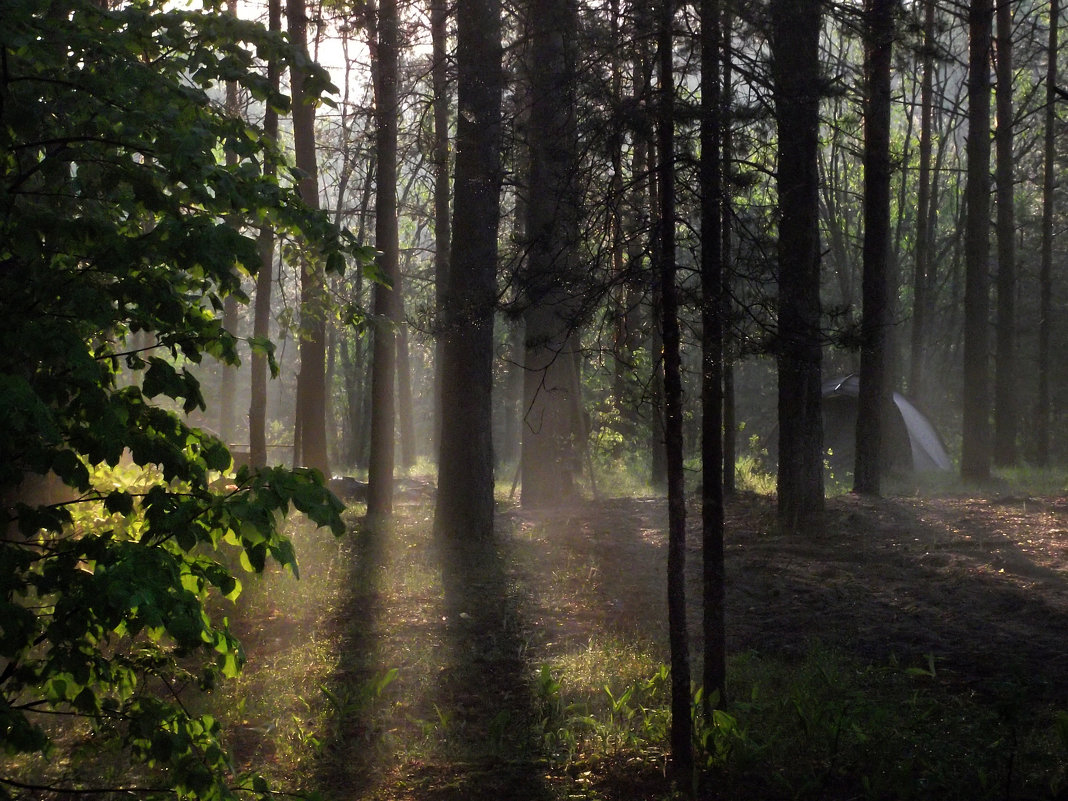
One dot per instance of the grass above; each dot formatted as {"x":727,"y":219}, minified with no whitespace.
{"x":423,"y":692}
{"x":394,"y":669}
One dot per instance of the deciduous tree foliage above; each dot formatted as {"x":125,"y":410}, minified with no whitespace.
{"x":119,"y":217}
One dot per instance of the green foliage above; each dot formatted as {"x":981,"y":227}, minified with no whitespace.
{"x":122,"y":231}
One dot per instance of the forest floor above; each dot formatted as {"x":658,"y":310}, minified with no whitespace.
{"x":494,"y":673}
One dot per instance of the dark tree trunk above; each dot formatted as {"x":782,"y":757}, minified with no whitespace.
{"x":681,"y":730}
{"x":261,"y":321}
{"x":465,"y":465}
{"x":796,"y":75}
{"x":712,"y":304}
{"x":924,"y":234}
{"x":730,"y":419}
{"x":405,"y":413}
{"x":1045,"y":321}
{"x":1006,"y":409}
{"x":439,"y":17}
{"x":658,"y":470}
{"x":386,"y":298}
{"x":228,"y":384}
{"x":975,"y":439}
{"x":512,"y":405}
{"x":310,"y":426}
{"x":874,"y":400}
{"x":551,"y":455}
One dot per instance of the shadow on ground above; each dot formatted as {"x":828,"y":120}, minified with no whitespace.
{"x":484,"y":687}
{"x":353,"y":751}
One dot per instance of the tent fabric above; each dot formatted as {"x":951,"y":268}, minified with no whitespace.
{"x":913,"y":443}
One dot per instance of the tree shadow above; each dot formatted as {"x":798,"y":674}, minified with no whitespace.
{"x":484,"y":694}
{"x":901,"y":579}
{"x":354,"y":746}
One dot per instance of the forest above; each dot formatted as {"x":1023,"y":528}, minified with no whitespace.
{"x":541,"y":400}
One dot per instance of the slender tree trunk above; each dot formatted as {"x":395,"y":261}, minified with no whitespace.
{"x":975,"y":441}
{"x":924,"y":234}
{"x":712,"y":305}
{"x":228,"y":384}
{"x":796,"y":75}
{"x":509,"y":449}
{"x":439,"y":17}
{"x":261,"y":320}
{"x":874,"y":400}
{"x":730,"y":419}
{"x":386,"y":298}
{"x":311,"y":382}
{"x":1045,"y":320}
{"x":405,"y":414}
{"x":681,"y":730}
{"x":658,"y":468}
{"x":465,"y":465}
{"x":1006,"y":409}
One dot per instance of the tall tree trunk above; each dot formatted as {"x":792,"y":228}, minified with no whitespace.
{"x":405,"y":414}
{"x":796,"y":76}
{"x":874,"y":400}
{"x":261,"y":320}
{"x":730,"y":419}
{"x":228,"y":384}
{"x":658,"y":468}
{"x":712,"y":305}
{"x":551,"y":455}
{"x":1045,"y":321}
{"x":681,"y":729}
{"x":311,"y":381}
{"x":1006,"y":409}
{"x":924,"y":234}
{"x":975,"y":439}
{"x":386,"y":298}
{"x":465,"y":464}
{"x":439,"y":71}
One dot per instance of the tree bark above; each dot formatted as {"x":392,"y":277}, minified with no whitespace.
{"x":1045,"y":321}
{"x":924,"y":234}
{"x":1006,"y":409}
{"x":730,"y":419}
{"x":681,"y":730}
{"x":975,"y":439}
{"x":465,"y":465}
{"x":714,"y":677}
{"x":311,"y":382}
{"x":261,"y":320}
{"x":796,"y":76}
{"x":439,"y":72}
{"x":384,"y":64}
{"x":874,"y":400}
{"x":405,"y":411}
{"x":552,"y":444}
{"x":228,"y":382}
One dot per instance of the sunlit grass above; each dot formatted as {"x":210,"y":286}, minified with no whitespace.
{"x":364,"y":695}
{"x":752,"y":475}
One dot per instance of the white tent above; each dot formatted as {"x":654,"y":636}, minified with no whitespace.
{"x":912,"y":442}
